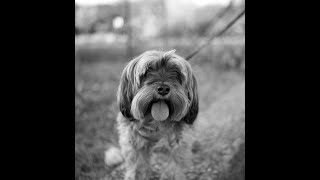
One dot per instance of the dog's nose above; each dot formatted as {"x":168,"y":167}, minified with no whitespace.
{"x":163,"y":89}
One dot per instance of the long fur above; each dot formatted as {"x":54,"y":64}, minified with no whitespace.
{"x":139,"y":133}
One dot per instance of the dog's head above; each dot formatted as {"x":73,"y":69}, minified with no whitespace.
{"x":158,"y":86}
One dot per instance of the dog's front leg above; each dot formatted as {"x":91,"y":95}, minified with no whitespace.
{"x":136,"y":153}
{"x":179,"y":158}
{"x":137,"y":165}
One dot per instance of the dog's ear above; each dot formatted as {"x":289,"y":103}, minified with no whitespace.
{"x":125,"y":90}
{"x":192,"y":113}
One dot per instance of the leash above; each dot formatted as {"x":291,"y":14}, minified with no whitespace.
{"x":231,"y":23}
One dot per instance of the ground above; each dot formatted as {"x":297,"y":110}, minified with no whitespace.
{"x":218,"y":141}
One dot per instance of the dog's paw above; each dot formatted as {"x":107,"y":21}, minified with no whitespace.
{"x":179,"y":175}
{"x":173,"y":173}
{"x":113,"y":157}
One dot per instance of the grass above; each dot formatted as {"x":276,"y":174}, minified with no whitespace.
{"x":97,"y":74}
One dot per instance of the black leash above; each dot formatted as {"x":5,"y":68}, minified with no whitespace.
{"x":215,"y":35}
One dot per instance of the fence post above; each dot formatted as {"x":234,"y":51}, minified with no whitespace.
{"x":127,"y":11}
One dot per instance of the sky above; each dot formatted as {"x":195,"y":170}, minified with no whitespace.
{"x":196,"y":2}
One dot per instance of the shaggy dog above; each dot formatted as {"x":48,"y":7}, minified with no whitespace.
{"x":158,"y":100}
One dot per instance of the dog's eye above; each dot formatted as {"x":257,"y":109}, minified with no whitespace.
{"x":177,"y":76}
{"x":146,"y":73}
{"x":143,"y":77}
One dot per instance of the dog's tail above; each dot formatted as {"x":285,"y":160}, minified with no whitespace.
{"x":113,"y":156}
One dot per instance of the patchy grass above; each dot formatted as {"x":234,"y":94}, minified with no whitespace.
{"x":97,"y":77}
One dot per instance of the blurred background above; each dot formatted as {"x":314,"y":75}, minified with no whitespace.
{"x":109,"y":33}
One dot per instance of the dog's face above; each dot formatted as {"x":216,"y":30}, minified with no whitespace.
{"x":158,"y":86}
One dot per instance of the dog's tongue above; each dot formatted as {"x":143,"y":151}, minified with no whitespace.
{"x":160,"y":111}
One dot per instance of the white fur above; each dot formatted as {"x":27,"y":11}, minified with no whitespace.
{"x":113,"y":156}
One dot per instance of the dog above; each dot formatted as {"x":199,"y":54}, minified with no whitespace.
{"x":158,"y":100}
